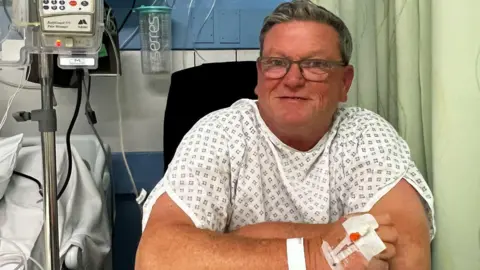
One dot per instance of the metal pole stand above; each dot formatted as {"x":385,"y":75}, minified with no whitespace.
{"x":47,"y":120}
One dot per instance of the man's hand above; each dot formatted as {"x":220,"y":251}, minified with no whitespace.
{"x":171,"y":230}
{"x":380,"y":262}
{"x":377,"y":264}
{"x":283,"y":230}
{"x":386,"y":232}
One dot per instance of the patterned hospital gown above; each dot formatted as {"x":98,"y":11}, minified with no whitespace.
{"x":230,"y":171}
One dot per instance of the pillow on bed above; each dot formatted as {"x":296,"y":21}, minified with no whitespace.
{"x":9,"y":148}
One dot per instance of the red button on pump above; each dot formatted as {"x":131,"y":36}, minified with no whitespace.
{"x":73,"y":3}
{"x":58,"y":43}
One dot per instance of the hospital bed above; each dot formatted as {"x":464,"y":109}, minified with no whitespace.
{"x":88,"y":149}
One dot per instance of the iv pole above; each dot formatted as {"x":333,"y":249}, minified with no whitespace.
{"x":47,"y":125}
{"x":47,"y":121}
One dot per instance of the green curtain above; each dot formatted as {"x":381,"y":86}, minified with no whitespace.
{"x":417,"y":63}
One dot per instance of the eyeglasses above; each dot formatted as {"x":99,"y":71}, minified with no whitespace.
{"x":312,"y":69}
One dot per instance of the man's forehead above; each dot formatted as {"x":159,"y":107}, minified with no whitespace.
{"x":301,"y":40}
{"x":277,"y":51}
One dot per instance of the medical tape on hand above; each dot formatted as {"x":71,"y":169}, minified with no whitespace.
{"x":296,"y":254}
{"x":361,"y":237}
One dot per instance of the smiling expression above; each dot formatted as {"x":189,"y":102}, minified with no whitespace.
{"x":293,"y":101}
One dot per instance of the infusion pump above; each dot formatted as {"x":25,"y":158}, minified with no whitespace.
{"x":72,"y":27}
{"x":68,"y":23}
{"x":63,"y":27}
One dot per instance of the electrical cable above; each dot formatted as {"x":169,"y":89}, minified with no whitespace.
{"x":26,"y":176}
{"x":140,"y":198}
{"x":9,"y":18}
{"x":20,"y":87}
{"x":91,"y":116}
{"x":201,"y":27}
{"x":110,"y":21}
{"x":17,"y":259}
{"x":20,"y":253}
{"x":6,"y":11}
{"x":120,"y":120}
{"x":6,"y":36}
{"x":36,"y":263}
{"x":25,"y":87}
{"x":68,"y":142}
{"x":92,"y":120}
{"x":134,"y":3}
{"x":80,"y":75}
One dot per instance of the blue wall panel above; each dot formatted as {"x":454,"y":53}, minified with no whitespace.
{"x":146,"y":167}
{"x":233,"y":24}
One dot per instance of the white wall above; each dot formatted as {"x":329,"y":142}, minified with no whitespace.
{"x":143,"y":101}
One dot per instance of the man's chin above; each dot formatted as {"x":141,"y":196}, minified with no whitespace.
{"x":293,"y":122}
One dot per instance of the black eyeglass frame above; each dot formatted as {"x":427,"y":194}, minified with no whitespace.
{"x":325,"y":66}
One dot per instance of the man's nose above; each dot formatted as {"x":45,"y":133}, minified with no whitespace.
{"x":294,"y":77}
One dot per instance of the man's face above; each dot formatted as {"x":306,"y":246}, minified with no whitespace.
{"x":293,"y":101}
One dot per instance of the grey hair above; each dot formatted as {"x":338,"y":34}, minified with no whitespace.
{"x":305,"y":10}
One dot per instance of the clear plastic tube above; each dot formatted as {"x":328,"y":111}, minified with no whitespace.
{"x":14,"y":257}
{"x":201,"y":27}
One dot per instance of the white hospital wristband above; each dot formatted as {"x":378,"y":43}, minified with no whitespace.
{"x":296,"y":254}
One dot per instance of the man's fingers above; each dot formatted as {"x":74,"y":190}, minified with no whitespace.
{"x":378,"y":264}
{"x":388,"y":234}
{"x":388,"y":253}
{"x":383,"y":220}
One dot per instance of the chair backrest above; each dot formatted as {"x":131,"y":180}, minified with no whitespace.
{"x":198,"y":91}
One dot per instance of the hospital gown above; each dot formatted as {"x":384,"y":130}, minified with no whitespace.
{"x":230,"y":171}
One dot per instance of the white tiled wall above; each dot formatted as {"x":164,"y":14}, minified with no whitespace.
{"x":183,"y":59}
{"x":247,"y":55}
{"x":143,"y":100}
{"x":213,"y":56}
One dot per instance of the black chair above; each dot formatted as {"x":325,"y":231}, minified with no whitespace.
{"x":198,"y":91}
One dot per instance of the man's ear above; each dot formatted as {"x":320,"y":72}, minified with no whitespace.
{"x":348,"y":75}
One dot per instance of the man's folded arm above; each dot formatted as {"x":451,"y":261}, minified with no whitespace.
{"x":402,"y":203}
{"x":404,"y":206}
{"x":283,"y":230}
{"x":171,"y":241}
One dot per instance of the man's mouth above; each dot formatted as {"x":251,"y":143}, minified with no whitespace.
{"x":295,"y":98}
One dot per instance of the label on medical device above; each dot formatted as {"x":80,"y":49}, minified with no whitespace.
{"x":68,"y":23}
{"x":66,"y":61}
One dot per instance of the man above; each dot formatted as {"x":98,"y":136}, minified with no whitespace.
{"x":290,"y":165}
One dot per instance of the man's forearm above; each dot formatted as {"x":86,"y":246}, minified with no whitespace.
{"x":281,"y":230}
{"x":186,"y":247}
